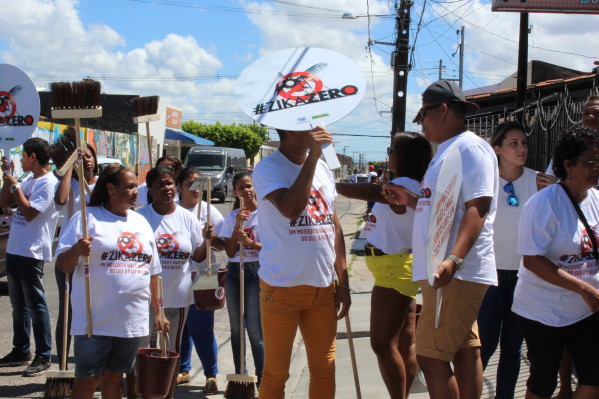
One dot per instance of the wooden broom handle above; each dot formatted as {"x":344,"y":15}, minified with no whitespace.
{"x":208,"y":240}
{"x":149,"y":136}
{"x":82,"y":202}
{"x":163,"y":332}
{"x":241,"y":303}
{"x":65,"y":323}
{"x":352,"y":352}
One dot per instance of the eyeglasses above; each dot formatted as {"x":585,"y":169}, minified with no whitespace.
{"x":390,"y":150}
{"x":422,"y":112}
{"x":512,"y":200}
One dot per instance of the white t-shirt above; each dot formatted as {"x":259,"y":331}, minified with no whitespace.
{"x":216,"y":219}
{"x":505,"y":227}
{"x":251,"y":229}
{"x":122,"y":259}
{"x":388,"y":231}
{"x":549,"y":226}
{"x":295,"y":251}
{"x":33,"y":239}
{"x":73,"y":204}
{"x":371,"y":175}
{"x":177,"y":236}
{"x":479,"y":179}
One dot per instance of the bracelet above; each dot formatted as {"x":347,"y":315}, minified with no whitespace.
{"x":344,"y":286}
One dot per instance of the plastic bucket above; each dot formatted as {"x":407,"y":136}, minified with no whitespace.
{"x":154,"y":373}
{"x":212,"y":299}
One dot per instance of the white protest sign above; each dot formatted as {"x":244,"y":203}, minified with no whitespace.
{"x":300,"y":88}
{"x":445,"y":201}
{"x":19,"y":107}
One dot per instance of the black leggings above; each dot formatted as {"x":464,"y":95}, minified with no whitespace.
{"x":546,"y":344}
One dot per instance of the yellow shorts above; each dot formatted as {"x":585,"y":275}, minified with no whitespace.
{"x":393,"y":271}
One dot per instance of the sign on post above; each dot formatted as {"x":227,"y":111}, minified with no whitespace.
{"x":445,"y":202}
{"x":300,"y":88}
{"x":19,"y":107}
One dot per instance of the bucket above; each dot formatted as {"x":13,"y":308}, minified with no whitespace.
{"x":154,"y":373}
{"x":212,"y":299}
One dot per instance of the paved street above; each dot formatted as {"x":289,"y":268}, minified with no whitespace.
{"x":12,"y":385}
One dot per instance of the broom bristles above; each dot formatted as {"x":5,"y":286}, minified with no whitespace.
{"x":85,"y":94}
{"x":58,"y":387}
{"x":240,"y":390}
{"x":145,"y":105}
{"x":63,"y":147}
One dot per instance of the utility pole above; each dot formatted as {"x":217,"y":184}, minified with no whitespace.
{"x":440,"y":69}
{"x":522,"y":63}
{"x":400,"y":66}
{"x":462,"y":59}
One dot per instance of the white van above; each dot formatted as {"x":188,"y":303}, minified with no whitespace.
{"x":220,"y":163}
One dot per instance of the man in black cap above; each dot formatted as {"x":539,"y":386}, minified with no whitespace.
{"x":469,"y":267}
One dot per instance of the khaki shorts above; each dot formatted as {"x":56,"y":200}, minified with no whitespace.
{"x":457,"y":324}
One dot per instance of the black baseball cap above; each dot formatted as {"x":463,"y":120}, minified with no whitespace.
{"x":445,"y":91}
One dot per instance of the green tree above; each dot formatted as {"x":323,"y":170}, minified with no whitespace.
{"x":247,"y":137}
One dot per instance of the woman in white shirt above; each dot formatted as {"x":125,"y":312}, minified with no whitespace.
{"x":199,"y":327}
{"x":67,"y":198}
{"x":389,"y":258}
{"x":497,"y":323}
{"x":557,"y":294}
{"x":123,"y":269}
{"x":178,"y":236}
{"x":233,"y":233}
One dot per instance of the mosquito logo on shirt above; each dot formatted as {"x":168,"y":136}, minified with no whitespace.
{"x":166,"y":244}
{"x":129,"y":245}
{"x":425,"y":192}
{"x":586,"y":246}
{"x":317,"y":207}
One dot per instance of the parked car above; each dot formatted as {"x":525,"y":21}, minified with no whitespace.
{"x":362,"y":178}
{"x":105,"y":161}
{"x":220,"y":164}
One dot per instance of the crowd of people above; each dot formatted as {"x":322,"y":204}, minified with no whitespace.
{"x":522,"y":262}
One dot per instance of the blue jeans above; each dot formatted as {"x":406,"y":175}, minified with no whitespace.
{"x":29,"y":308}
{"x":497,"y":324}
{"x":199,"y":332}
{"x":252,"y":322}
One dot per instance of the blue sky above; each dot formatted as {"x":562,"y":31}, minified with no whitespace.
{"x":190,"y":51}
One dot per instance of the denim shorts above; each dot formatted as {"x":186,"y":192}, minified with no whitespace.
{"x":96,"y":354}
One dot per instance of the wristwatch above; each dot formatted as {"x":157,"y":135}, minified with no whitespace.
{"x":14,"y":188}
{"x":458,"y":262}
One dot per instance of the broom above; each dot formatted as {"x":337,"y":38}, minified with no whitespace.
{"x":146,"y":110}
{"x":79,"y":100}
{"x":241,"y":386}
{"x":60,"y":382}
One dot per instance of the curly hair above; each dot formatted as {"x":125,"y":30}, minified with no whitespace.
{"x":572,"y":143}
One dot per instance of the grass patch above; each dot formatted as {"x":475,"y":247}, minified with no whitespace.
{"x":351,"y":264}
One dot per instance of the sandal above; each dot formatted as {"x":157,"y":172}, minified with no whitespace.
{"x":183,"y":378}
{"x":210,"y":388}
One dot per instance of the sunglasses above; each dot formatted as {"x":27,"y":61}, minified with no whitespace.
{"x":512,"y":200}
{"x":390,"y":150}
{"x":594,"y":165}
{"x":423,"y":111}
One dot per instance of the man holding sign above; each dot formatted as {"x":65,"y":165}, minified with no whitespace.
{"x":302,"y":252}
{"x":469,"y":265}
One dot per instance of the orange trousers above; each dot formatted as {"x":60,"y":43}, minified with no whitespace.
{"x":283,"y":310}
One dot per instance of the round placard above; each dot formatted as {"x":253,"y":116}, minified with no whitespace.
{"x":19,"y":107}
{"x":299,"y":88}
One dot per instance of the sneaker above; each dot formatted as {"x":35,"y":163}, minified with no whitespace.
{"x":38,"y":366}
{"x":15,"y":359}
